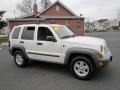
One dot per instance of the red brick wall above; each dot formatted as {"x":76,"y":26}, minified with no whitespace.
{"x":72,"y":24}
{"x":53,"y":12}
{"x":15,"y":23}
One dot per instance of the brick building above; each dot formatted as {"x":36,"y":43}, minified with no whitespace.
{"x":57,"y":13}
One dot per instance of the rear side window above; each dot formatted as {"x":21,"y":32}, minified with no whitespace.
{"x":16,"y":32}
{"x":28,"y":33}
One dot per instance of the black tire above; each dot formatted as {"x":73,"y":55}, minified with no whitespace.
{"x":24,"y":61}
{"x":87,"y":63}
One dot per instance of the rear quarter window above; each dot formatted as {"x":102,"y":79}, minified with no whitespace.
{"x":16,"y":32}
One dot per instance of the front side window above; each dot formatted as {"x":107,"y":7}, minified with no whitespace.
{"x":63,"y":32}
{"x":43,"y":32}
{"x":28,"y":33}
{"x":16,"y":32}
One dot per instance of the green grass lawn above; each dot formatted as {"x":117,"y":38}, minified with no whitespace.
{"x":3,"y":39}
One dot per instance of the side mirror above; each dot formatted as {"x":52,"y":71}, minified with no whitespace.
{"x":51,"y":38}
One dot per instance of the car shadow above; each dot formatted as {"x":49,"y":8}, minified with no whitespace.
{"x":101,"y":74}
{"x":49,"y":67}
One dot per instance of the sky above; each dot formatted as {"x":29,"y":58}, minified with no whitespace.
{"x":91,"y":9}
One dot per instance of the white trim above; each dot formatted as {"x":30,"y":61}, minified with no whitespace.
{"x":26,"y":19}
{"x":62,"y":17}
{"x":44,"y":18}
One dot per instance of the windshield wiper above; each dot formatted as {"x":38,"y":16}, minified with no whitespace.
{"x":69,"y":36}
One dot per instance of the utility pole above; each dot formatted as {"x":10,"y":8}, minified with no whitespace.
{"x":14,"y":13}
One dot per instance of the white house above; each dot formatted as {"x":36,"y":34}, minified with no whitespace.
{"x":114,"y":23}
{"x":102,"y":24}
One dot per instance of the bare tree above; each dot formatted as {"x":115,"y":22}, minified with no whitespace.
{"x":44,"y":4}
{"x":26,"y":7}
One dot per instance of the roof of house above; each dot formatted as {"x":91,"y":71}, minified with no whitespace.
{"x":42,"y":17}
{"x":69,"y":10}
{"x":25,"y":19}
{"x":61,"y":17}
{"x":45,"y":17}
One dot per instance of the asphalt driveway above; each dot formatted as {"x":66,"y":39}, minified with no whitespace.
{"x":45,"y":76}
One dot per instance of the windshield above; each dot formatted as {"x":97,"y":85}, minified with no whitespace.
{"x":63,"y":32}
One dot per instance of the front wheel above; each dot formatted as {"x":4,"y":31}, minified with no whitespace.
{"x":20,"y":59}
{"x":82,"y":67}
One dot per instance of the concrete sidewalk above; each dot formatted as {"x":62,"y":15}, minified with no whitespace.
{"x":4,"y":44}
{"x":3,"y":35}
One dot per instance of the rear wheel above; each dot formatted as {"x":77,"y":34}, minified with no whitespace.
{"x":20,"y":59}
{"x":82,"y":67}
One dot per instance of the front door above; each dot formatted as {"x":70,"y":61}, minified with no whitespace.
{"x":46,"y":50}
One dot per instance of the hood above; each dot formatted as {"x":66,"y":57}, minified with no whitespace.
{"x":85,"y":40}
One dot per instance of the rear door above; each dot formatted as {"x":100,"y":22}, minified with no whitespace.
{"x":27,"y":38}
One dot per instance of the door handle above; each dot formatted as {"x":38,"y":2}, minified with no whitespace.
{"x":21,"y":42}
{"x":39,"y":43}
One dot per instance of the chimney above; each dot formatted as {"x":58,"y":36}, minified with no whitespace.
{"x":35,"y":8}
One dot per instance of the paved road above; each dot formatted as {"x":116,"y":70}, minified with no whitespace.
{"x":44,"y":76}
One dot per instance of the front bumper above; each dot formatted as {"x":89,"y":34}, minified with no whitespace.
{"x":106,"y":60}
{"x":104,"y":63}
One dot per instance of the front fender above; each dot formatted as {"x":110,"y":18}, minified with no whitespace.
{"x":83,"y":51}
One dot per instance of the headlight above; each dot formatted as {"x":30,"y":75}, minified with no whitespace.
{"x":99,"y":56}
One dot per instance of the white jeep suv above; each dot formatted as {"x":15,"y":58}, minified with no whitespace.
{"x":58,"y":44}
